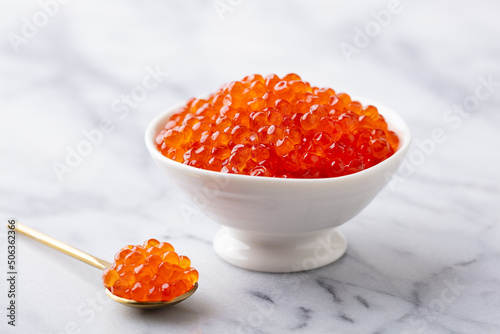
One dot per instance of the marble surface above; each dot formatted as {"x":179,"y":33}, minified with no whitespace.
{"x":422,"y":258}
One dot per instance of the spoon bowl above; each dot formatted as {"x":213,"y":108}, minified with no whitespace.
{"x":152,"y":305}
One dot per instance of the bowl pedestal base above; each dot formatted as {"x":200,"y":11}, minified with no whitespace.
{"x":279,"y":253}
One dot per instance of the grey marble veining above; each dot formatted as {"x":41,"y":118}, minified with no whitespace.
{"x":422,"y":258}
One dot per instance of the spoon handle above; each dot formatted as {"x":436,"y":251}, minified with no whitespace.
{"x":62,"y":247}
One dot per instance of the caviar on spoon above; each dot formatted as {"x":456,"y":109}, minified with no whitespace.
{"x":148,"y":276}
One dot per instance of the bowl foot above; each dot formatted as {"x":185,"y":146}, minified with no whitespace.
{"x":280,"y":254}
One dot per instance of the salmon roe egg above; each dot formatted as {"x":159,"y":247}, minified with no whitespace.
{"x":274,"y":127}
{"x":149,"y":273}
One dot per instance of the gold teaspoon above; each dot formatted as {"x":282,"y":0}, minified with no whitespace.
{"x":98,"y":263}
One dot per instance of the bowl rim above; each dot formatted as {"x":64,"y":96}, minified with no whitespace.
{"x":394,"y":121}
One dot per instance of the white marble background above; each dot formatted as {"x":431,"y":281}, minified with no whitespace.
{"x":424,"y":257}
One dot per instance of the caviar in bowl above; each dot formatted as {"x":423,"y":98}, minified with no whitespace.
{"x":277,"y":224}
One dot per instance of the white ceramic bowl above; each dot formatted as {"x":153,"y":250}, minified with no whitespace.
{"x":275,"y":224}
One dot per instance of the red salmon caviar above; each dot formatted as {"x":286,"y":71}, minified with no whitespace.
{"x":149,"y":273}
{"x":277,"y":127}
